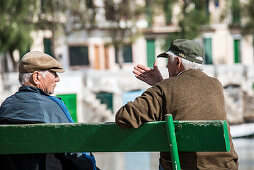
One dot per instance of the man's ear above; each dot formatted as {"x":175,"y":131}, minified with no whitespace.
{"x":178,"y":62}
{"x":36,"y":77}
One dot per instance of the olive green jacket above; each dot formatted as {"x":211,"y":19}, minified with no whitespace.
{"x":192,"y":95}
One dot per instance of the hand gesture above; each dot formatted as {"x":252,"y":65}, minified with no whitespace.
{"x":148,"y":75}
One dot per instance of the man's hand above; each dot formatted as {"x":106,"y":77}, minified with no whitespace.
{"x":148,"y":75}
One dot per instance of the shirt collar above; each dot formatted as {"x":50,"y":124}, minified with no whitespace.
{"x":180,"y":73}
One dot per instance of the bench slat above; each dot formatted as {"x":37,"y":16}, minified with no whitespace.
{"x":108,"y":137}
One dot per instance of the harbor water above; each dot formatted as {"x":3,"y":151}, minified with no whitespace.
{"x":150,"y":161}
{"x":245,"y":150}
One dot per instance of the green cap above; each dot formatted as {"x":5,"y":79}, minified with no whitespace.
{"x":186,"y":49}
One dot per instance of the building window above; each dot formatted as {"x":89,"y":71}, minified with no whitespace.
{"x":237,"y":50}
{"x":150,"y":50}
{"x":79,"y":55}
{"x":47,"y":46}
{"x":207,"y":42}
{"x":127,"y":54}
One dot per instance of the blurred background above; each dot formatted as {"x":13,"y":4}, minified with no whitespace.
{"x":99,"y":41}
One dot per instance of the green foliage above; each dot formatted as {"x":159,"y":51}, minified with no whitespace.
{"x":121,"y":17}
{"x":167,"y":9}
{"x":190,"y":24}
{"x":158,"y":7}
{"x":248,"y":12}
{"x":16,"y":23}
{"x":149,"y":10}
{"x":236,"y":12}
{"x":63,"y":17}
{"x":193,"y":15}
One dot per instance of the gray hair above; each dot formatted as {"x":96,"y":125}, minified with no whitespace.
{"x":25,"y":78}
{"x":186,"y":63}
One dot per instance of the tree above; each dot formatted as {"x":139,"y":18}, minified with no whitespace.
{"x":16,"y":18}
{"x":159,"y":7}
{"x":121,"y":17}
{"x":49,"y":18}
{"x":167,"y":10}
{"x":193,"y":15}
{"x":236,"y":12}
{"x":80,"y":15}
{"x":67,"y":17}
{"x":248,"y":13}
{"x":192,"y":18}
{"x":62,"y":17}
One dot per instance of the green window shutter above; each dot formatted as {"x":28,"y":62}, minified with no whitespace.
{"x":106,"y":98}
{"x":150,"y":49}
{"x":70,"y":101}
{"x":237,"y":51}
{"x":208,"y":50}
{"x":78,"y":55}
{"x":47,"y":46}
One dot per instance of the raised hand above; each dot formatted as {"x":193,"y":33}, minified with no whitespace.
{"x":148,"y":75}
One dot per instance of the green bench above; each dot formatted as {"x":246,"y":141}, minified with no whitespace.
{"x":168,"y":135}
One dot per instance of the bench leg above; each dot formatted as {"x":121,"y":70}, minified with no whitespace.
{"x":172,"y":142}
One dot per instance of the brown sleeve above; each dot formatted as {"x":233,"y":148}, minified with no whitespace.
{"x":145,"y":108}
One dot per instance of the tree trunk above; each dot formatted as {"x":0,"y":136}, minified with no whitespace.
{"x":185,"y":5}
{"x":53,"y":37}
{"x":2,"y":70}
{"x":5,"y":64}
{"x":149,"y":12}
{"x":119,"y":55}
{"x":14,"y":63}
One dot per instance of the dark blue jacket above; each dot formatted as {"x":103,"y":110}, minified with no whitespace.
{"x":32,"y":105}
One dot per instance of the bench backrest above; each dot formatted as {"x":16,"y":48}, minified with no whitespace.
{"x":108,"y":137}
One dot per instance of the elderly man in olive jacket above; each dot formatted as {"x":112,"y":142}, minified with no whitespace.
{"x":188,"y":94}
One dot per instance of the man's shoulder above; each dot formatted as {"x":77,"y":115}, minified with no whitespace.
{"x":188,"y":76}
{"x":25,"y":98}
{"x":29,"y":106}
{"x":10,"y":100}
{"x":195,"y":73}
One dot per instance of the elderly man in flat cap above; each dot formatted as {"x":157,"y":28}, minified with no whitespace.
{"x":33,"y":104}
{"x":188,"y":94}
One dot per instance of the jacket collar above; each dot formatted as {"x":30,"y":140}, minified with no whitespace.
{"x":190,"y":71}
{"x":32,"y":89}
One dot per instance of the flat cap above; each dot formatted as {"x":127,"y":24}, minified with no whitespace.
{"x":187,"y":49}
{"x":36,"y":60}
